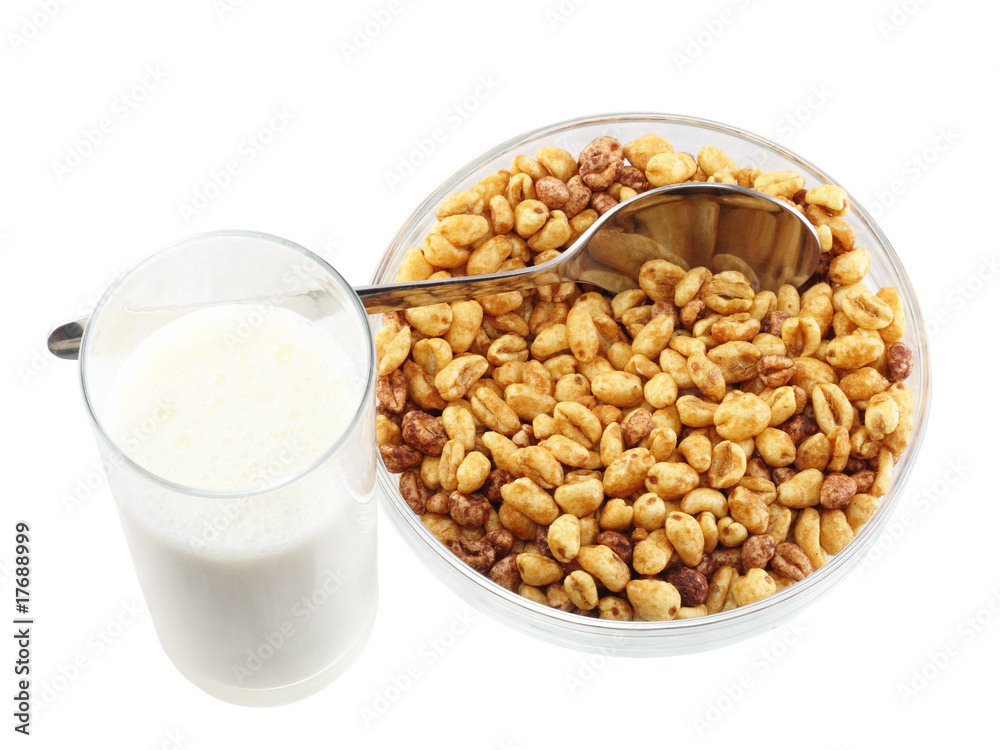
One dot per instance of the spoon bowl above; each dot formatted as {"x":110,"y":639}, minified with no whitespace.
{"x":721,"y":227}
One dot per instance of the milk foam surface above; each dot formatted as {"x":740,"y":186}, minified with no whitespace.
{"x":213,"y":402}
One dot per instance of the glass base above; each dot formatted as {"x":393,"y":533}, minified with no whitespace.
{"x":260,"y":698}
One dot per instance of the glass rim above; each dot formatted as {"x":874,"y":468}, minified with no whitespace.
{"x":493,"y":596}
{"x":284,"y":481}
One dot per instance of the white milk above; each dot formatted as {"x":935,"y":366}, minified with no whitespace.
{"x":248,"y":592}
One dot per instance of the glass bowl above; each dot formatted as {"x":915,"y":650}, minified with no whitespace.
{"x":652,"y":638}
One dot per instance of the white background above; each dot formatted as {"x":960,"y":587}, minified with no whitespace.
{"x":883,"y":94}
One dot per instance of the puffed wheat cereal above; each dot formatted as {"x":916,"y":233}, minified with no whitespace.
{"x":675,"y":450}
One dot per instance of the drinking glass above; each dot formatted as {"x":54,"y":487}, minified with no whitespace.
{"x":249,"y":615}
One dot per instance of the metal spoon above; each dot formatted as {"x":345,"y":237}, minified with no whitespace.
{"x":721,"y":227}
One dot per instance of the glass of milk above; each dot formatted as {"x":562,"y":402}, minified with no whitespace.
{"x":229,"y":379}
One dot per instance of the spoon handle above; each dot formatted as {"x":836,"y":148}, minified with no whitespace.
{"x":402,"y":296}
{"x":64,"y":341}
